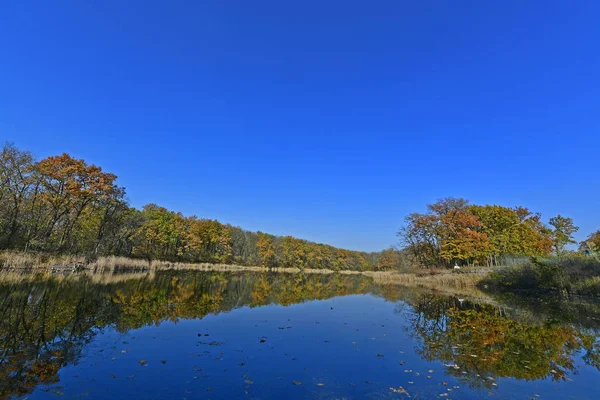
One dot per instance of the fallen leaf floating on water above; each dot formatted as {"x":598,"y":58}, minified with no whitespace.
{"x":143,"y":363}
{"x":320,"y":384}
{"x":297,"y":383}
{"x":455,"y":366}
{"x":400,"y":390}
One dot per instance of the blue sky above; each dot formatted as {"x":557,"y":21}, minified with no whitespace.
{"x":326,"y":120}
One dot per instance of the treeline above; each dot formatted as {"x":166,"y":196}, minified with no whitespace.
{"x":453,"y":231}
{"x":63,"y":205}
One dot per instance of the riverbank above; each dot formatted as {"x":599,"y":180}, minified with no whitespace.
{"x":36,"y":262}
{"x":566,"y":277}
{"x":464,"y":281}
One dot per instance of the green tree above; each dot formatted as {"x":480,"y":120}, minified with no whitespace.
{"x":562,"y":234}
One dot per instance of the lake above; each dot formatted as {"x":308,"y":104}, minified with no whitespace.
{"x":187,"y":335}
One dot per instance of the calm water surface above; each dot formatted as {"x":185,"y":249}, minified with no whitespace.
{"x":188,"y":335}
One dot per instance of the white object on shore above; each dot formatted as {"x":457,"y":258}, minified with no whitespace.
{"x":456,"y":267}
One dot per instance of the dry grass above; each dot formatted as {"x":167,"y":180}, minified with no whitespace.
{"x":12,"y":260}
{"x":115,"y":264}
{"x":18,"y":260}
{"x":20,"y":276}
{"x":442,"y":280}
{"x":105,"y":270}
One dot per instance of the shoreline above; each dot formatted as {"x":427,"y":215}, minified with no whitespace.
{"x":32,"y":263}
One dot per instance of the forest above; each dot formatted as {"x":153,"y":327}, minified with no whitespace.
{"x":63,"y":205}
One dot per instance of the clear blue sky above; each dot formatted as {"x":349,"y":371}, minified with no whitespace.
{"x":326,"y":120}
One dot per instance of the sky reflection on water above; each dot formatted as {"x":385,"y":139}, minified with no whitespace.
{"x":217,"y":335}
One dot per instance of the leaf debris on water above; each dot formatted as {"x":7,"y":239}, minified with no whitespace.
{"x":400,"y":390}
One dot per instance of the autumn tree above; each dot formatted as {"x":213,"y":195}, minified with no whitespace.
{"x":244,"y":248}
{"x":16,"y":168}
{"x":562,"y":234}
{"x":70,"y":187}
{"x":266,"y":250}
{"x":594,"y":239}
{"x":161,"y":235}
{"x":448,"y":233}
{"x":207,"y":240}
{"x":512,"y":232}
{"x":390,"y":259}
{"x":592,"y":243}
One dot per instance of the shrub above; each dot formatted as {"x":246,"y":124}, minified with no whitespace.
{"x":571,"y":275}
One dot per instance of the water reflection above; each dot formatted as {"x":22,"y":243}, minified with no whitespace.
{"x":479,"y":343}
{"x":46,"y":322}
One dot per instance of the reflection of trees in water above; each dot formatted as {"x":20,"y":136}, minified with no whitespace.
{"x":43,"y":327}
{"x":479,"y":343}
{"x":44,"y":323}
